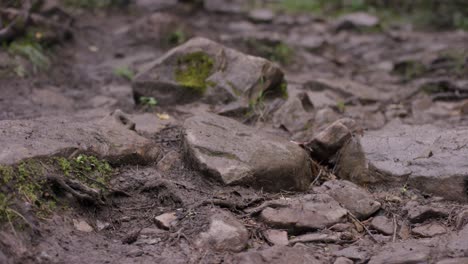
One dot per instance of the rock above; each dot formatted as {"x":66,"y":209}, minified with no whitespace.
{"x":354,"y":253}
{"x":236,"y":154}
{"x":419,"y":214}
{"x":410,"y":252}
{"x":280,"y":255}
{"x":261,"y":15}
{"x":166,"y":220}
{"x":149,"y":124}
{"x":276,"y":237}
{"x":111,"y":138}
{"x":225,"y":233}
{"x":426,"y":157}
{"x":453,"y":261}
{"x":309,"y":212}
{"x":383,"y":225}
{"x":327,"y":143}
{"x":429,"y":230}
{"x":352,"y":197}
{"x":356,"y":20}
{"x":461,"y":219}
{"x":294,"y":115}
{"x":203,"y":69}
{"x":151,"y":5}
{"x":311,"y":42}
{"x":458,"y":244}
{"x":102,"y":225}
{"x":341,"y":260}
{"x":316,"y":238}
{"x":225,"y":6}
{"x":82,"y":226}
{"x":347,"y":89}
{"x":169,"y":161}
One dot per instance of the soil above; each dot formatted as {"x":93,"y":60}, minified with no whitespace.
{"x":82,"y":78}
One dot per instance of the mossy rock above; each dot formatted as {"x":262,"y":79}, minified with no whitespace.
{"x":193,"y":69}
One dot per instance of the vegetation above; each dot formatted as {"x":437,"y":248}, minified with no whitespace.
{"x":28,"y":181}
{"x":33,"y":52}
{"x":124,"y":72}
{"x":279,"y":52}
{"x":193,"y":69}
{"x":148,"y":101}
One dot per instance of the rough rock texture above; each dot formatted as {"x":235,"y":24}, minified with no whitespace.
{"x":310,"y":212}
{"x":429,"y":230}
{"x":294,"y":115}
{"x":280,"y":255}
{"x":458,"y":244}
{"x":382,"y":224}
{"x":426,"y":157}
{"x":352,"y":197}
{"x":201,"y":68}
{"x":356,"y":20}
{"x":237,"y":154}
{"x":410,"y":252}
{"x":225,"y":233}
{"x":110,"y":137}
{"x":276,"y":237}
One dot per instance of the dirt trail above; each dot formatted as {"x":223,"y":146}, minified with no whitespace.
{"x":374,"y":77}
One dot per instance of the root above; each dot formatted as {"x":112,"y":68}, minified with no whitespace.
{"x":78,"y":190}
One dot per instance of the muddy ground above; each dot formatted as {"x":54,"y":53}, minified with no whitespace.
{"x":395,"y":63}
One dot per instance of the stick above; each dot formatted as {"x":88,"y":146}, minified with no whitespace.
{"x":394,"y":228}
{"x":365,"y":228}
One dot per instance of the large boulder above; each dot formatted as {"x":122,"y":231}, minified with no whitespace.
{"x":111,"y":137}
{"x":204,"y":69}
{"x":237,"y":154}
{"x":426,"y":157}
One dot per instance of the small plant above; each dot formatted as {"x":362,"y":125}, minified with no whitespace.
{"x":341,"y":106}
{"x":33,"y":52}
{"x":177,"y":37}
{"x":148,"y":101}
{"x":124,"y":72}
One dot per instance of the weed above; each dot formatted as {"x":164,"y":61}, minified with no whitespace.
{"x":177,"y":37}
{"x":193,"y":69}
{"x":148,"y":101}
{"x":5,"y":211}
{"x":124,"y":72}
{"x":33,"y":52}
{"x":341,"y":106}
{"x":6,"y":173}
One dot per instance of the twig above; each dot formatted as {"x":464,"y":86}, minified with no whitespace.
{"x":394,"y":228}
{"x":317,"y":178}
{"x":365,"y":228}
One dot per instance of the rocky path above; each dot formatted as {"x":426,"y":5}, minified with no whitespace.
{"x":172,"y":133}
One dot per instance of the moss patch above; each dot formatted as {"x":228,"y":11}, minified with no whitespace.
{"x":27,"y":181}
{"x":193,"y":69}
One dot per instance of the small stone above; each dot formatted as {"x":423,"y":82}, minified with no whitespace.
{"x":261,"y":15}
{"x":461,"y":220}
{"x":225,"y":233}
{"x":402,"y":253}
{"x":82,"y":226}
{"x":341,"y":227}
{"x":276,"y":237}
{"x":102,"y":225}
{"x":420,"y":214}
{"x":353,"y":252}
{"x":315,"y":238}
{"x":354,"y":198}
{"x":453,"y":261}
{"x":166,"y":220}
{"x":356,"y":21}
{"x":429,"y":230}
{"x":342,"y":260}
{"x":382,"y":224}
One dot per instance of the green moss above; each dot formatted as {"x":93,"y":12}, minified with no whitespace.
{"x":284,"y":89}
{"x":6,"y":173}
{"x":90,"y":171}
{"x":193,"y":69}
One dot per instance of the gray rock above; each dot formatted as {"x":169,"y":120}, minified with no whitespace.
{"x":276,"y":237}
{"x":429,"y":230}
{"x":169,"y":161}
{"x":353,"y":252}
{"x":293,"y":115}
{"x":453,"y":261}
{"x":316,"y":238}
{"x":203,"y":69}
{"x":352,"y":197}
{"x":346,"y":89}
{"x":383,"y":225}
{"x":280,"y":255}
{"x":225,"y":6}
{"x":261,"y":15}
{"x":342,"y":260}
{"x":236,"y":154}
{"x":326,"y":144}
{"x":110,"y":137}
{"x":83,"y":226}
{"x":419,"y":214}
{"x":225,"y":233}
{"x":166,"y":220}
{"x":309,"y":212}
{"x":356,"y":20}
{"x":458,"y":244}
{"x":461,"y":219}
{"x":411,"y":252}
{"x":426,"y":157}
